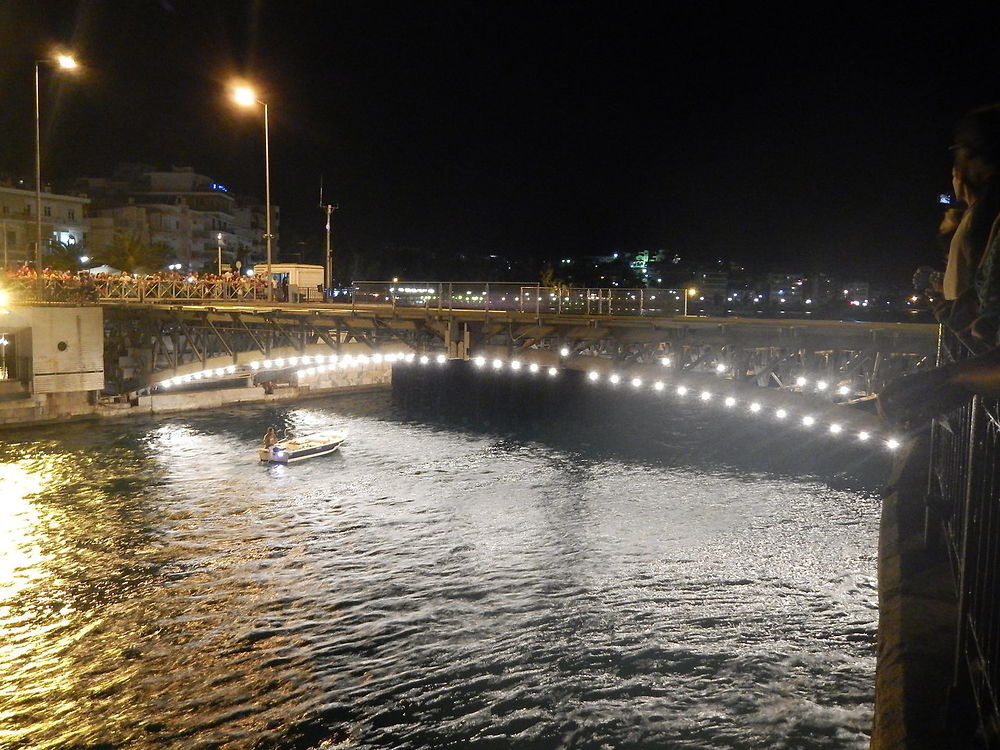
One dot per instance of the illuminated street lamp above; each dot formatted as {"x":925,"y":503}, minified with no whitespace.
{"x":247,"y":97}
{"x":3,"y":356}
{"x":218,"y":239}
{"x":688,"y":293}
{"x":62,"y":62}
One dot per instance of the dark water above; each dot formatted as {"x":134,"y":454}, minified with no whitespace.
{"x":432,"y":585}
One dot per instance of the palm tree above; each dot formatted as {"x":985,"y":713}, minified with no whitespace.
{"x":130,"y":253}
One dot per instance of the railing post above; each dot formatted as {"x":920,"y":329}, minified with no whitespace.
{"x":538,"y":300}
{"x":440,"y":293}
{"x":642,"y":299}
{"x":487,"y":297}
{"x":963,"y":553}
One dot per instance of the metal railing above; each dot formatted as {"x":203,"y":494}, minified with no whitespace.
{"x":964,"y":496}
{"x":151,"y":290}
{"x":521,"y":297}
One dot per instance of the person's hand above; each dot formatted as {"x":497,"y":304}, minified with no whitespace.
{"x":913,"y":400}
{"x":985,"y":328}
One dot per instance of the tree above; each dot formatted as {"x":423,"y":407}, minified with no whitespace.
{"x":129,"y":253}
{"x":62,"y":257}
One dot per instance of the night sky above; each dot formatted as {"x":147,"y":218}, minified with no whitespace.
{"x":795,"y":138}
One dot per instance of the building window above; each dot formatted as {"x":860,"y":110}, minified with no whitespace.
{"x":47,"y":210}
{"x":71,"y":214}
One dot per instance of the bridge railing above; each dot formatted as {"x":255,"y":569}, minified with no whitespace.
{"x":522,"y":297}
{"x":171,"y":290}
{"x":964,"y":496}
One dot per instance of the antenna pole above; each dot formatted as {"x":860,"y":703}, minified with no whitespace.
{"x":329,"y":208}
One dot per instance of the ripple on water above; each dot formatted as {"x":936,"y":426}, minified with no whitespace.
{"x":427,"y":587}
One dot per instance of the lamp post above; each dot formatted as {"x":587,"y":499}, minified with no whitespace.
{"x":64,"y":62}
{"x":688,"y":293}
{"x":3,"y":356}
{"x":218,"y":239}
{"x":247,"y":97}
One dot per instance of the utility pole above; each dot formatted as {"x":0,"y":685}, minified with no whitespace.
{"x":329,"y":208}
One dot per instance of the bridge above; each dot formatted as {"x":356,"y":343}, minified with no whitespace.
{"x":160,"y":331}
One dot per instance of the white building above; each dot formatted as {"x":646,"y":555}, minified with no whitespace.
{"x":64,"y":222}
{"x":190,"y":213}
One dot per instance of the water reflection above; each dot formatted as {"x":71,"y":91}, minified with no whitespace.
{"x":425,"y":586}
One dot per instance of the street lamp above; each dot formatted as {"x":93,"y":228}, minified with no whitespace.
{"x":688,"y":293}
{"x":62,"y":62}
{"x":218,"y":239}
{"x":247,"y":97}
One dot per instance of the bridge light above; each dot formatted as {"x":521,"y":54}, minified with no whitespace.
{"x":231,"y":369}
{"x":564,"y":352}
{"x":424,"y":359}
{"x":682,"y":390}
{"x":808,"y":421}
{"x":863,"y":436}
{"x":658,"y":385}
{"x":636,"y":382}
{"x":706,"y":396}
{"x":279,"y":362}
{"x":821,"y":385}
{"x":479,"y":361}
{"x":755,"y":407}
{"x":497,"y":364}
{"x":892,"y":444}
{"x":781,"y":414}
{"x":615,"y":378}
{"x":441,"y":359}
{"x":730,"y":401}
{"x":533,"y":367}
{"x":515,"y":365}
{"x":720,"y":368}
{"x":553,"y":372}
{"x":593,"y":375}
{"x":665,"y":361}
{"x":844,"y":390}
{"x":801,"y":381}
{"x":293,"y":361}
{"x":836,"y":429}
{"x":410,"y":356}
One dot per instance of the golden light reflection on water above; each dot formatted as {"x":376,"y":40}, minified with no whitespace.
{"x":21,"y":556}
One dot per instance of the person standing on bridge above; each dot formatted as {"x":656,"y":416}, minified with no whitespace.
{"x":971,"y":285}
{"x":976,"y":182}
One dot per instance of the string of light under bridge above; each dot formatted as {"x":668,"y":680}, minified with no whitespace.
{"x":310,"y":366}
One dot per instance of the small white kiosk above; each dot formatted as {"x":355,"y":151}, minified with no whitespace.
{"x":303,"y":281}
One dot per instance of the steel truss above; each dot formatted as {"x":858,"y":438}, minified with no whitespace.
{"x":155,"y":338}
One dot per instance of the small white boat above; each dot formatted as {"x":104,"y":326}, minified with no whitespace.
{"x":297,"y":448}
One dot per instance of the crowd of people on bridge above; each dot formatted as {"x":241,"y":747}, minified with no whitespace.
{"x":967,"y":293}
{"x":87,"y":285}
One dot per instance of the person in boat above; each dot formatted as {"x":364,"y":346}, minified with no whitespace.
{"x":270,"y":438}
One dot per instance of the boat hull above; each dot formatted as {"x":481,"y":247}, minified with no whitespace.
{"x":298,"y":449}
